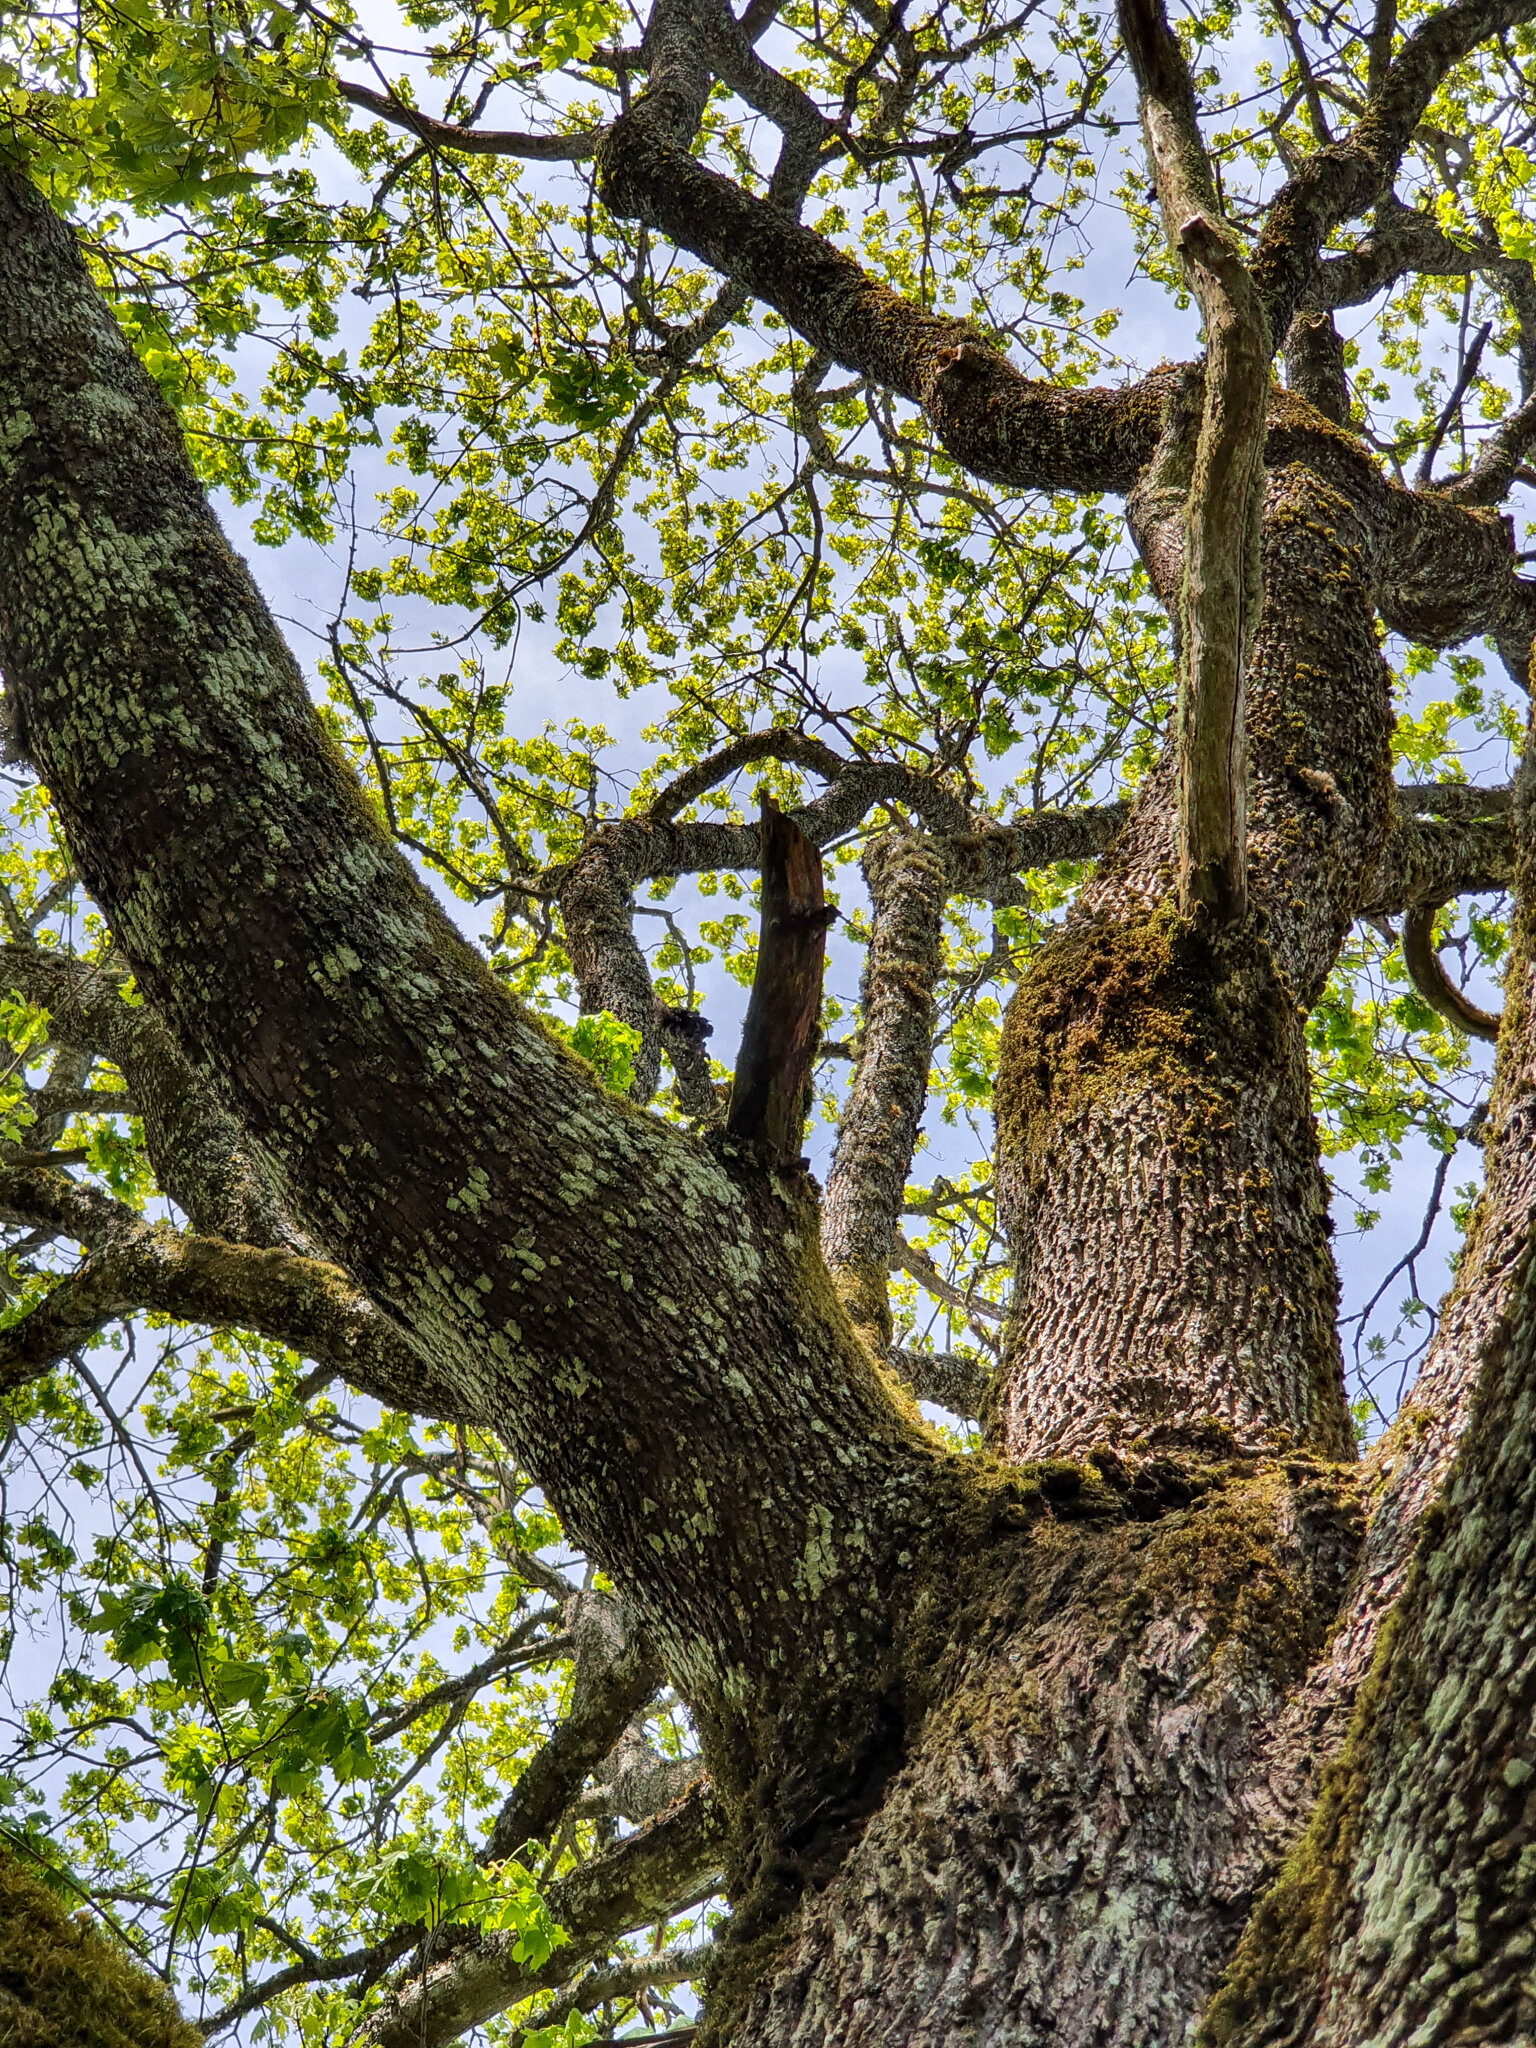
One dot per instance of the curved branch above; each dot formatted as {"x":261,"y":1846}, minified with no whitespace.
{"x":1427,"y":973}
{"x":995,"y":421}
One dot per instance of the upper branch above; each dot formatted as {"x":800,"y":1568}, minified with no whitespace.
{"x":997,"y":422}
{"x":549,"y":149}
{"x":1344,"y":178}
{"x":1219,"y":600}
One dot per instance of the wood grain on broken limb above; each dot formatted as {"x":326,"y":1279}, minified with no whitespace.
{"x":778,"y":1041}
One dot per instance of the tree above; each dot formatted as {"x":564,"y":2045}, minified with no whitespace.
{"x":1163,"y":1715}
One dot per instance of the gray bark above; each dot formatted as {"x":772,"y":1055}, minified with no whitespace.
{"x":1000,"y":1751}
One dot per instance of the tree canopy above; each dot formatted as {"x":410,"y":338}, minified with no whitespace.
{"x":724,"y":434}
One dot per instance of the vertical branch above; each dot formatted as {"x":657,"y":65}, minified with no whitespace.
{"x":909,"y":886}
{"x":778,"y":1044}
{"x":1219,"y":602}
{"x":1314,"y":365}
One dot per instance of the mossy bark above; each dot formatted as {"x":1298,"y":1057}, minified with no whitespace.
{"x":993,"y":1742}
{"x":1404,"y":1914}
{"x":1157,"y":1157}
{"x":64,"y":1983}
{"x":1070,"y":1844}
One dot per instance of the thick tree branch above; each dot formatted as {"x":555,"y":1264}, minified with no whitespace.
{"x":1314,"y":365}
{"x":281,"y":1295}
{"x":993,"y":420}
{"x":1429,"y":860}
{"x":612,"y":1297}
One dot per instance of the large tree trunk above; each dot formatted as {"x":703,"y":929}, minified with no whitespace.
{"x":1006,"y":1750}
{"x":1157,"y":1158}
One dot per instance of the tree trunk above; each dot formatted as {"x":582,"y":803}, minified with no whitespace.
{"x":1007,"y":1750}
{"x":1157,"y":1159}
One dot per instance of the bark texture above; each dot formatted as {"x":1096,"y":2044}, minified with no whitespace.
{"x":1404,"y":1913}
{"x":516,"y":1223}
{"x":908,"y":886}
{"x":1155,"y":1135}
{"x":1062,"y":1857}
{"x":1000,"y":1751}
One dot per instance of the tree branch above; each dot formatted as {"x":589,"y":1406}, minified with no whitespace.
{"x":603,"y":1291}
{"x":909,"y":885}
{"x":549,"y":149}
{"x":778,"y":1041}
{"x":1427,"y":973}
{"x":662,"y":1867}
{"x":1429,"y":860}
{"x":1219,"y":599}
{"x":995,"y":421}
{"x":277,"y":1294}
{"x":1344,"y":178}
{"x":956,"y":1380}
{"x":614,"y":1680}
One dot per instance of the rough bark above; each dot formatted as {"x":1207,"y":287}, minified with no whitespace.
{"x":1061,"y":1858}
{"x":1404,"y":1912}
{"x":908,"y":886}
{"x":999,"y":1755}
{"x":645,"y":1319}
{"x":1141,"y":1060}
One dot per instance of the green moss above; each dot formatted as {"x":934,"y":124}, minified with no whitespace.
{"x":63,"y":1984}
{"x":1225,"y":1562}
{"x":1110,"y":1009}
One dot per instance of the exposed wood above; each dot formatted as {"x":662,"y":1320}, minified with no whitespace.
{"x":778,"y":1042}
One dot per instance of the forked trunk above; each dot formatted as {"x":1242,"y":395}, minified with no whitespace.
{"x":1007,"y":1752}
